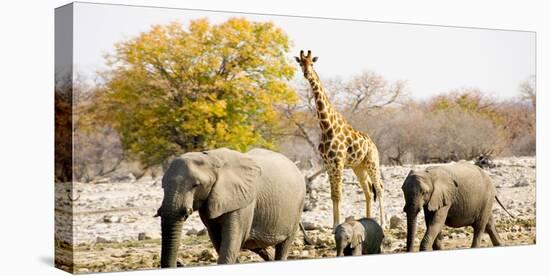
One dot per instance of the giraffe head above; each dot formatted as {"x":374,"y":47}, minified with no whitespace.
{"x":306,"y":63}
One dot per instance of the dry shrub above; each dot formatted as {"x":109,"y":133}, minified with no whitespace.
{"x":454,"y":134}
{"x":412,"y":135}
{"x":98,"y":152}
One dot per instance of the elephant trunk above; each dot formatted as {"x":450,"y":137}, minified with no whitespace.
{"x":339,"y":249}
{"x":411,"y":230}
{"x":171,"y":234}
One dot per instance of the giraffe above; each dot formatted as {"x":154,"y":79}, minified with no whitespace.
{"x":341,"y":146}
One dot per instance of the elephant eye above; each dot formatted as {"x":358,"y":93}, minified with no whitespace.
{"x":196,"y":184}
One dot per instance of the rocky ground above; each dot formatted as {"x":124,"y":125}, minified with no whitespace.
{"x":113,"y":227}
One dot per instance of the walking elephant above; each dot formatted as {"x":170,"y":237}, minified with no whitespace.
{"x":456,"y":195}
{"x":246,"y":201}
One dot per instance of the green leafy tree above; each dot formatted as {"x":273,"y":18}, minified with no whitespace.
{"x":175,"y":88}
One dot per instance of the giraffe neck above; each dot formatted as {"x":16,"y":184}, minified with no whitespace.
{"x":325,"y":111}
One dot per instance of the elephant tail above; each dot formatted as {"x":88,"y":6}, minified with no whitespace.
{"x":500,"y":203}
{"x":307,"y":240}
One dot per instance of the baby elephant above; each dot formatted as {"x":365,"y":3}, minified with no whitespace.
{"x":358,"y":237}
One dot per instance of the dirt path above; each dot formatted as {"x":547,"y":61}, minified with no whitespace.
{"x":196,"y":250}
{"x":114,"y":228}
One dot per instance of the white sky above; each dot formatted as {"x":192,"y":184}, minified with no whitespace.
{"x":431,"y":59}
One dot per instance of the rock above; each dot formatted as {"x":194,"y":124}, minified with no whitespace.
{"x":396,"y":222}
{"x":311,"y":226}
{"x":388,"y":241}
{"x":143,"y":236}
{"x":304,"y":253}
{"x":127,"y":219}
{"x":323,"y":242}
{"x":192,"y":231}
{"x":111,"y":219}
{"x":521,"y":183}
{"x":120,"y":255}
{"x":123,"y":178}
{"x":102,"y":180}
{"x":202,"y":232}
{"x":299,"y":242}
{"x":308,"y":206}
{"x":208,"y":255}
{"x":325,"y":230}
{"x":100,"y":239}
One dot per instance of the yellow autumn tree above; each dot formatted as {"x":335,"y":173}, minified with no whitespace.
{"x":175,"y":88}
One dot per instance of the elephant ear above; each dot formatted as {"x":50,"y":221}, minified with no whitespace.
{"x":443,"y":184}
{"x":358,"y":235}
{"x":235,"y":185}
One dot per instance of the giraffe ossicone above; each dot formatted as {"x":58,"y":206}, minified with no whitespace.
{"x":341,"y":146}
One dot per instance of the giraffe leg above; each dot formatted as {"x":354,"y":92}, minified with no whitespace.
{"x":381,"y":205}
{"x":365,"y":182}
{"x":335,"y":178}
{"x":373,"y":169}
{"x":378,"y":187}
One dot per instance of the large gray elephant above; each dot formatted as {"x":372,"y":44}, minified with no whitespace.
{"x":358,"y":237}
{"x":456,"y":195}
{"x":246,"y":201}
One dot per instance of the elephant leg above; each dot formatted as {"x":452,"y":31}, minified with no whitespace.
{"x":434,"y":222}
{"x":348,"y":251}
{"x":357,"y":251}
{"x":232,"y":237}
{"x":478,"y":232}
{"x":229,"y":249}
{"x":366,"y":184}
{"x":214,"y":232}
{"x":335,"y":177}
{"x":437,"y":242}
{"x":264,"y":253}
{"x":281,"y":249}
{"x":479,"y":228}
{"x":492,"y":231}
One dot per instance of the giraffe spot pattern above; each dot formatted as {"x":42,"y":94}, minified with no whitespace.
{"x":341,"y":147}
{"x":324,"y":124}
